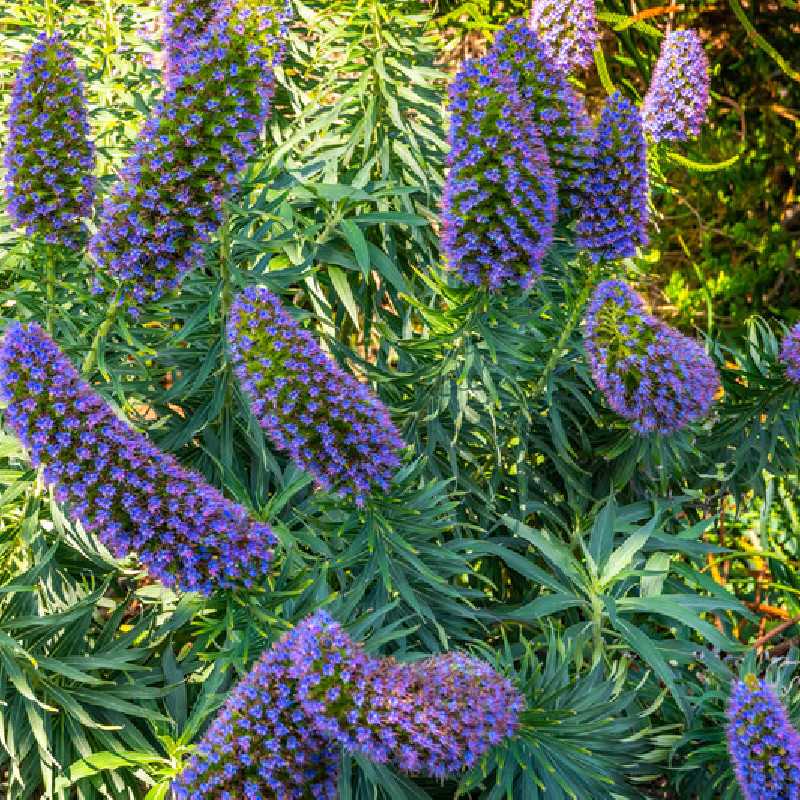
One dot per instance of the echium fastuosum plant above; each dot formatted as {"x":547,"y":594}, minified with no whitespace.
{"x":117,"y":484}
{"x":614,"y":211}
{"x":316,"y":691}
{"x":169,"y":200}
{"x":500,"y":196}
{"x":183,"y":22}
{"x":558,"y":113}
{"x":650,"y":373}
{"x":329,"y":423}
{"x":49,"y":156}
{"x":763,"y":744}
{"x":568,"y":29}
{"x":677,"y":101}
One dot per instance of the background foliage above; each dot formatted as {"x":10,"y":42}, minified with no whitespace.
{"x":622,"y":581}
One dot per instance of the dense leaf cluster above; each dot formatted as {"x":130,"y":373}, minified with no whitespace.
{"x":529,"y":525}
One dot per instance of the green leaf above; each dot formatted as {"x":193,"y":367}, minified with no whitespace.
{"x":342,"y":288}
{"x":355,"y":238}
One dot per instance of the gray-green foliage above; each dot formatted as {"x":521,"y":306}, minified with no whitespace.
{"x":528,"y":523}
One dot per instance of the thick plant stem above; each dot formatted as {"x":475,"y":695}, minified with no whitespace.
{"x":49,"y":17}
{"x":575,"y":316}
{"x":111,"y":314}
{"x":226,"y":300}
{"x":50,"y":288}
{"x":226,"y":297}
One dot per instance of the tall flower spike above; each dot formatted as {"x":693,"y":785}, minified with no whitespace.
{"x":184,"y":21}
{"x":649,"y":373}
{"x":49,"y":158}
{"x":790,"y":353}
{"x":500,"y":196}
{"x":677,"y":101}
{"x":263,"y":745}
{"x":117,"y":484}
{"x":763,"y":745}
{"x":317,"y":691}
{"x":322,"y":417}
{"x":568,"y":29}
{"x":187,"y":158}
{"x":557,"y":112}
{"x":614,"y":214}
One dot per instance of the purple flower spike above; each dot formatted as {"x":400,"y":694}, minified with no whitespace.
{"x":500,"y":197}
{"x":262,"y":744}
{"x":187,"y":158}
{"x":117,"y":484}
{"x":649,"y":373}
{"x":184,"y":21}
{"x":614,"y":216}
{"x":763,"y":745}
{"x":568,"y":29}
{"x":317,"y":691}
{"x":49,"y":158}
{"x":790,"y":353}
{"x":329,"y":423}
{"x":676,"y":104}
{"x":557,"y":112}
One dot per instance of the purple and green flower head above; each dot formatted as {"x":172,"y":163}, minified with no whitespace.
{"x":650,"y":374}
{"x":543,"y":90}
{"x":326,"y":421}
{"x":316,"y":692}
{"x":676,"y":103}
{"x":49,"y":156}
{"x":117,"y":484}
{"x":169,"y":200}
{"x":614,"y":213}
{"x":568,"y":29}
{"x":790,"y":353}
{"x":500,"y":196}
{"x":763,"y":744}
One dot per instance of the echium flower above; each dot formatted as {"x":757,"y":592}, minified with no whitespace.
{"x":557,"y":111}
{"x":677,"y":101}
{"x":790,"y":354}
{"x":327,"y":422}
{"x":500,"y":196}
{"x":435,"y":717}
{"x":49,"y":157}
{"x":614,"y":213}
{"x":317,"y":691}
{"x":183,"y":22}
{"x":263,"y":745}
{"x":116,"y":483}
{"x":200,"y":136}
{"x":568,"y":29}
{"x":650,"y":373}
{"x":763,"y":745}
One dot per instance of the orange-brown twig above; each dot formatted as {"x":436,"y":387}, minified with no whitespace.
{"x":776,"y":631}
{"x":648,"y":13}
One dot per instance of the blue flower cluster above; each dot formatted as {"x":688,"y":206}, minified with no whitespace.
{"x":49,"y":157}
{"x":763,"y":745}
{"x":568,"y":30}
{"x":614,"y":212}
{"x":315,"y":691}
{"x":558,"y":112}
{"x":117,"y":484}
{"x":329,"y":423}
{"x":649,"y":373}
{"x":183,"y":22}
{"x":677,"y":101}
{"x":169,"y":200}
{"x":500,"y":197}
{"x":790,"y":353}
